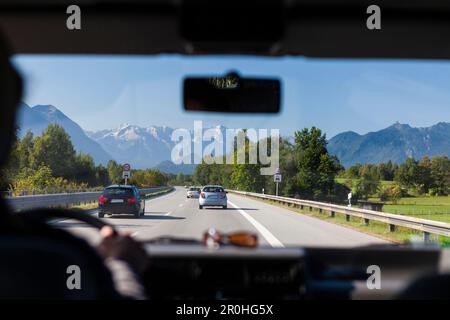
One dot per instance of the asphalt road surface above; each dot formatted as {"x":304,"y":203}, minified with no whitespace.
{"x":173,"y":214}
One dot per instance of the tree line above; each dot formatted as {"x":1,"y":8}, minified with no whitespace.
{"x":308,"y":169}
{"x":49,"y":162}
{"x":310,"y":172}
{"x":423,"y":176}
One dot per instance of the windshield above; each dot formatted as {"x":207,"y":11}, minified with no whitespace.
{"x":118,"y":192}
{"x":357,"y":134}
{"x":212,"y":189}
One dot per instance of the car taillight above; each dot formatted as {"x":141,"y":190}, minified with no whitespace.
{"x":202,"y":195}
{"x":102,"y":199}
{"x":222,"y":195}
{"x":131,"y":199}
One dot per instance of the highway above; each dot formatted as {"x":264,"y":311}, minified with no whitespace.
{"x":173,"y":214}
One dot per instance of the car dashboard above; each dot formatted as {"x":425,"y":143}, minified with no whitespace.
{"x":196,"y":272}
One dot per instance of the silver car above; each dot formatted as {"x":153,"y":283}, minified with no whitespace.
{"x":212,"y":196}
{"x":193,"y":192}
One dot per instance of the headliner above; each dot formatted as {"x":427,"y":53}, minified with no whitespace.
{"x":410,"y":29}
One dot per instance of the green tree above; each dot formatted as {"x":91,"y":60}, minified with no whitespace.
{"x":386,"y":171}
{"x":84,"y":169}
{"x":114,"y":172}
{"x":11,"y":167}
{"x":148,"y":178}
{"x":316,"y":169}
{"x":440,"y":174}
{"x":101,"y":176}
{"x":54,"y":149}
{"x":366,"y":186}
{"x":246,"y":176}
{"x":406,"y":173}
{"x":25,"y":149}
{"x":353,"y":171}
{"x":391,"y":193}
{"x":415,"y":175}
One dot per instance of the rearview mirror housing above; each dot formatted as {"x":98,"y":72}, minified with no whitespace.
{"x":232,"y":93}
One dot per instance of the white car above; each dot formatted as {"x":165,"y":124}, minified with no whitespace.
{"x":193,"y":192}
{"x":213,"y":196}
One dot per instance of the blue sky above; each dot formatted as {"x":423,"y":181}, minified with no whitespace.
{"x":335,"y":95}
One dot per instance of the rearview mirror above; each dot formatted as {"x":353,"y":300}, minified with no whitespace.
{"x":231,"y":93}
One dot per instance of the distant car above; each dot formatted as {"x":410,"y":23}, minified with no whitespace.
{"x":193,"y":192}
{"x":212,"y":196}
{"x":121,"y":199}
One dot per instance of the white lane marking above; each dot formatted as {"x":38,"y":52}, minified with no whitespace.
{"x":166,"y":214}
{"x":180,"y":205}
{"x":270,"y":238}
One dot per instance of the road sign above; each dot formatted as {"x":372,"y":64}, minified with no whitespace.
{"x":277,"y":179}
{"x":126,"y":174}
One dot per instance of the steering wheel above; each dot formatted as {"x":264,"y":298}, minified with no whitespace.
{"x":46,"y":214}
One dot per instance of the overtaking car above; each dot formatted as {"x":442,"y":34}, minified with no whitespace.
{"x":121,"y":199}
{"x":213,"y":196}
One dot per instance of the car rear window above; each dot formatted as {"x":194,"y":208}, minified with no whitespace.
{"x":213,"y":189}
{"x":118,"y":192}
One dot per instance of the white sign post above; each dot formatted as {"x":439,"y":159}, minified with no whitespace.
{"x":277,"y":179}
{"x":126,"y":173}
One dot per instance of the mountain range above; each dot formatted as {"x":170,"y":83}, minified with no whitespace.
{"x":37,"y":118}
{"x":151,"y":147}
{"x":396,"y":143}
{"x":146,"y":147}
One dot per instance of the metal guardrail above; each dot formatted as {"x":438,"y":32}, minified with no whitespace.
{"x":62,"y":199}
{"x":33,"y":192}
{"x":393,"y":220}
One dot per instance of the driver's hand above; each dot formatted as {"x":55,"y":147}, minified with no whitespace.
{"x":122,"y":247}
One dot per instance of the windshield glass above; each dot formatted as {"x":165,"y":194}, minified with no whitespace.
{"x":118,"y":192}
{"x":360,"y":134}
{"x":212,"y":189}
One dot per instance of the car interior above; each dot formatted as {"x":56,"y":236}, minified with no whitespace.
{"x":189,"y":269}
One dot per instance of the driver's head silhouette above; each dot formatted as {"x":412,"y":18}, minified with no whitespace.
{"x":10,"y":96}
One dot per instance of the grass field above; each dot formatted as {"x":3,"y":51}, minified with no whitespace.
{"x":401,"y":235}
{"x":433,"y":208}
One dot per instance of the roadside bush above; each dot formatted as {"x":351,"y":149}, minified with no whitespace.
{"x":391,"y":193}
{"x":42,"y":180}
{"x":365,"y":187}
